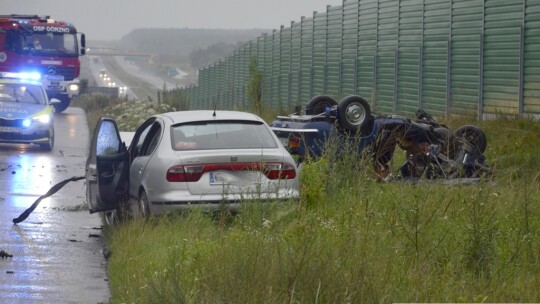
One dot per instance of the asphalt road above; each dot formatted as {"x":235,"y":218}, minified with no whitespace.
{"x":57,"y":252}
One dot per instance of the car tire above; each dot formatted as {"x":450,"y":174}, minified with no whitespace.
{"x":48,"y":146}
{"x":63,"y":105}
{"x":110,"y":217}
{"x":144,"y":210}
{"x":473,"y":136}
{"x":354,"y":113}
{"x":318,"y":104}
{"x":121,"y":213}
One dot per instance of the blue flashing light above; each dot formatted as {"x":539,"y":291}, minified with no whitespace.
{"x":22,"y":75}
{"x":27,"y":122}
{"x":30,"y":75}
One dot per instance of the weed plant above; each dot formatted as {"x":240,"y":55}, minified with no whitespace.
{"x":351,"y":238}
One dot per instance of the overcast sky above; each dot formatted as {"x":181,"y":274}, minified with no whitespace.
{"x":112,"y":19}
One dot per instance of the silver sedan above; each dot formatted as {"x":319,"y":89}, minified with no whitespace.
{"x":181,"y":160}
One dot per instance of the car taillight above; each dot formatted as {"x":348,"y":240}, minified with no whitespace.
{"x":294,"y":142}
{"x":185,"y":173}
{"x":279,"y":171}
{"x":192,"y":173}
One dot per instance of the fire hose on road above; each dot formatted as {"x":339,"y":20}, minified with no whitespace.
{"x":51,"y":191}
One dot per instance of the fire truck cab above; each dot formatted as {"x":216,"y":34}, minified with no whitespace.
{"x":31,"y":43}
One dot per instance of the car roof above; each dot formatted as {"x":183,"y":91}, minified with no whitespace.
{"x":205,"y":115}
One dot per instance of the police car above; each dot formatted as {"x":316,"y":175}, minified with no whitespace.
{"x":26,"y":114}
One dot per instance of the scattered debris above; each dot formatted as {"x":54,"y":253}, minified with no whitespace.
{"x":51,"y":191}
{"x":74,"y":241}
{"x":92,"y":235}
{"x":10,"y":272}
{"x":107,"y":253}
{"x":80,"y":207}
{"x":5,"y":255}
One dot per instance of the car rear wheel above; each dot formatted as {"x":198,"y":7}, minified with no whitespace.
{"x":48,"y":146}
{"x":318,"y":104}
{"x":144,"y":210}
{"x":473,"y":136}
{"x":354,"y":113}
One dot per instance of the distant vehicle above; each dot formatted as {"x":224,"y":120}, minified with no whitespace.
{"x":39,"y":44}
{"x":182,"y":160}
{"x":26,"y":115}
{"x":102,"y":74}
{"x":433,"y":151}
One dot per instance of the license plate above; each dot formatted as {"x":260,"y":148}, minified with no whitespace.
{"x":216,"y":178}
{"x":54,"y":84}
{"x":55,"y":77}
{"x":10,"y":130}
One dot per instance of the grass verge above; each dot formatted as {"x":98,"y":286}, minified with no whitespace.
{"x":351,"y":239}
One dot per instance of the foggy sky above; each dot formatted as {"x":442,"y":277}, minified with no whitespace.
{"x":112,"y":19}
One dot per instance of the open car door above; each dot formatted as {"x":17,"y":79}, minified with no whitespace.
{"x":107,"y":168}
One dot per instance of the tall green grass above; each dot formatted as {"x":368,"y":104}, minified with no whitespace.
{"x":351,"y":239}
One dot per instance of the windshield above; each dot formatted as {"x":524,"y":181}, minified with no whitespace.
{"x":222,"y":135}
{"x":47,"y":44}
{"x":23,"y":93}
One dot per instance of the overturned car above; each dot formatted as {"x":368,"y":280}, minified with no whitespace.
{"x":432,"y":149}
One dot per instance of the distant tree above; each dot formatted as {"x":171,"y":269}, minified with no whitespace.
{"x":204,"y":57}
{"x":182,"y":41}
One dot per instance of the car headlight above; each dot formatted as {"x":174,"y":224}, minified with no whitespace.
{"x":44,"y":119}
{"x":73,"y":87}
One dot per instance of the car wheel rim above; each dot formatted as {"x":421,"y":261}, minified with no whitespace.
{"x":355,"y":114}
{"x":143,"y":209}
{"x":143,"y":206}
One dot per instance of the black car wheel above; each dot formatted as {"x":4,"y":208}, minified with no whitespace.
{"x":48,"y":146}
{"x":121,"y":213}
{"x":318,"y":104}
{"x":353,"y":113}
{"x":473,"y":136}
{"x":63,"y":105}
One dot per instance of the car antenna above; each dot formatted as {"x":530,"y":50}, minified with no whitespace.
{"x":214,"y":114}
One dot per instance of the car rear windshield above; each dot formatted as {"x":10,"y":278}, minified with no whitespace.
{"x":209,"y":135}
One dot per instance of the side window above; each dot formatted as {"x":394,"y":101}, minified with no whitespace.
{"x":108,"y":142}
{"x":13,"y":41}
{"x":152,"y":140}
{"x":138,"y":142}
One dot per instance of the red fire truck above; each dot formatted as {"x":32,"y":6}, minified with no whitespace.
{"x":44,"y":48}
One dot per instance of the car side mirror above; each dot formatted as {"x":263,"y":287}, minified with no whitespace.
{"x":54,"y":101}
{"x":83,"y":43}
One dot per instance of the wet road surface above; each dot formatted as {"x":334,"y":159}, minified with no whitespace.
{"x":57,"y":252}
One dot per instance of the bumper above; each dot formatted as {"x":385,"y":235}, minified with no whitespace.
{"x":69,"y":88}
{"x":180,"y":200}
{"x":36,"y":137}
